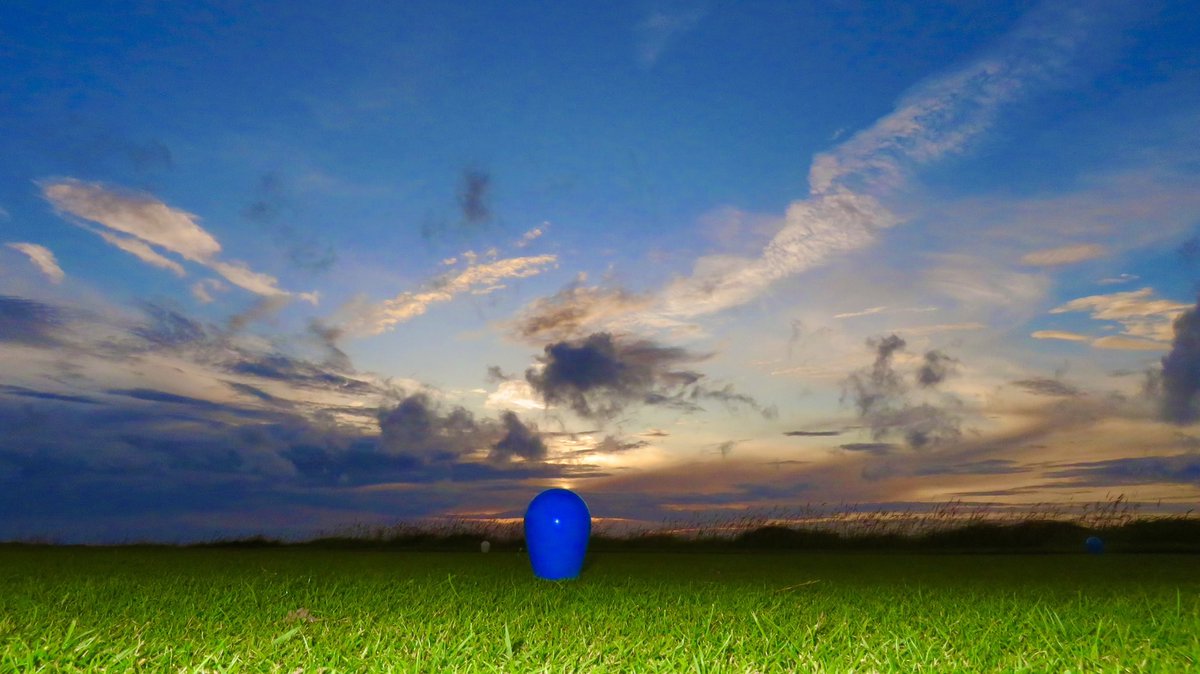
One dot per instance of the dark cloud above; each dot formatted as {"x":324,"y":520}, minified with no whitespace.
{"x":870,"y":447}
{"x":935,"y":369}
{"x":1048,"y":387}
{"x":985,"y":467}
{"x":598,"y":376}
{"x":415,"y":427}
{"x":520,"y":440}
{"x":328,"y":337}
{"x":93,"y":148}
{"x":473,"y":196}
{"x":727,"y":396}
{"x":29,"y":322}
{"x":614,"y":445}
{"x":253,"y":391}
{"x":152,"y":155}
{"x":164,"y":397}
{"x":269,"y":200}
{"x":47,"y":395}
{"x":1179,"y":383}
{"x":873,"y":389}
{"x":298,"y":372}
{"x":271,"y":206}
{"x":495,"y":374}
{"x":1177,"y":469}
{"x":884,"y":404}
{"x":168,"y":328}
{"x":812,"y":433}
{"x":726,"y":448}
{"x":263,"y":308}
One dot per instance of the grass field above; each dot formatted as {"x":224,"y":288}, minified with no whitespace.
{"x":294,"y":609}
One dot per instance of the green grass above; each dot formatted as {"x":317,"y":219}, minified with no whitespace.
{"x":304,"y":608}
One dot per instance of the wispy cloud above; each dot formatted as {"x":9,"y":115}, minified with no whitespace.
{"x":43,"y":258}
{"x":146,"y":222}
{"x":844,"y":213}
{"x":533,"y":234}
{"x":575,"y":312}
{"x":660,"y":29}
{"x":29,"y":322}
{"x":1118,"y":279}
{"x":1063,"y":335}
{"x":1052,"y":257}
{"x":483,"y":278}
{"x":1139,"y":313}
{"x":203,"y":289}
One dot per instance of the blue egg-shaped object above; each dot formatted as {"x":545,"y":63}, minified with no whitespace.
{"x":1094,"y":545}
{"x":557,"y":527}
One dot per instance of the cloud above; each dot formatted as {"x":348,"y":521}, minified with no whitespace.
{"x":528,"y":237}
{"x":844,"y":211}
{"x":47,"y":395}
{"x":140,"y":250}
{"x":660,"y":29}
{"x":261,"y":309}
{"x":812,"y":433}
{"x":1175,"y":469}
{"x":269,"y":203}
{"x":137,"y":215}
{"x":1180,"y":380}
{"x":373,"y":319}
{"x":1137,"y":311}
{"x":520,"y":440}
{"x":981,"y":284}
{"x":882,"y":400}
{"x":1128,"y":344}
{"x":153,"y":223}
{"x":865,"y":312}
{"x":599,"y":376}
{"x":1048,"y":387}
{"x":574,"y":312}
{"x":610,"y":445}
{"x":1060,"y":334}
{"x":514,"y":394}
{"x":984,"y":467}
{"x":869,"y":447}
{"x":29,"y":322}
{"x":43,"y":258}
{"x":473,"y":196}
{"x":1120,"y":278}
{"x":813,"y":231}
{"x":935,"y":369}
{"x":1052,"y":257}
{"x":167,"y":328}
{"x":416,"y":428}
{"x":944,"y":114}
{"x":202,"y":290}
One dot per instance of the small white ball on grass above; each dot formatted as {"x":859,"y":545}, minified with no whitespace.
{"x":485,"y":546}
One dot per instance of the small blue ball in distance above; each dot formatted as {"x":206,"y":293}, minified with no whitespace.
{"x":1094,"y":545}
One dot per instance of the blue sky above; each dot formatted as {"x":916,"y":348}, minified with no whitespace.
{"x":281,"y":270}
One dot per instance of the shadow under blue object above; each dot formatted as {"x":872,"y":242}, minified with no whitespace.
{"x":557,"y":527}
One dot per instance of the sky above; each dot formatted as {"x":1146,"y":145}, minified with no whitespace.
{"x":288,"y":268}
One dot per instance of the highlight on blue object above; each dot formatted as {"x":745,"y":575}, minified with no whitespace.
{"x":557,"y":527}
{"x":1094,"y":545}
